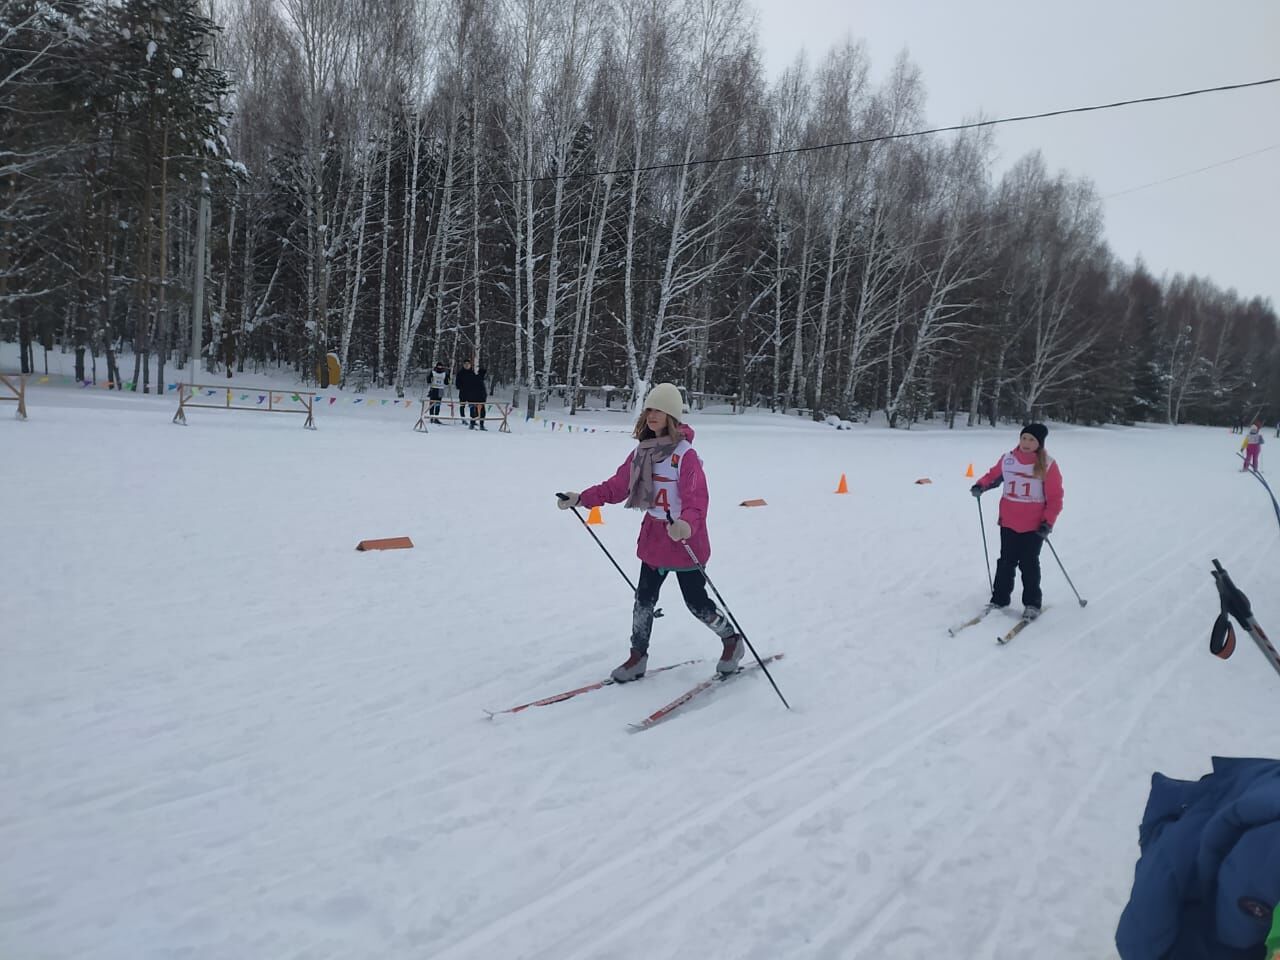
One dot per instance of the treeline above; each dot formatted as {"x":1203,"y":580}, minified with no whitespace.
{"x":576,"y":192}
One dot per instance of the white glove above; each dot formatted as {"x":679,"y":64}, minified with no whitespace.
{"x":679,"y":530}
{"x":567,"y":500}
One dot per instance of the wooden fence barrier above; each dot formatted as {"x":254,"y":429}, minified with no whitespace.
{"x":19,"y":390}
{"x":458,"y":411}
{"x":189,"y":395}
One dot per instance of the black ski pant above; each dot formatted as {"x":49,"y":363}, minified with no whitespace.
{"x":1018,"y":551}
{"x":694,"y":587}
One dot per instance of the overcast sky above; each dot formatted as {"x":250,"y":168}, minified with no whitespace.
{"x":1010,"y":57}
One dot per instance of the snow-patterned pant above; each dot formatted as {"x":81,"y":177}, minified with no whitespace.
{"x":694,"y":587}
{"x":1018,"y":550}
{"x":1251,"y":456}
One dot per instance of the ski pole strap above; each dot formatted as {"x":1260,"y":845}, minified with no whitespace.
{"x":1231,"y":597}
{"x":1236,"y":604}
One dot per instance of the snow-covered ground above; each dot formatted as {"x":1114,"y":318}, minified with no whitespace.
{"x":224,"y":733}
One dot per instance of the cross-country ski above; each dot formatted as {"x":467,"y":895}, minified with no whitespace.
{"x":577,"y":691}
{"x":697,"y":691}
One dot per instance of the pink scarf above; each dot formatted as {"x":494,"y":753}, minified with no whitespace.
{"x":651,"y":451}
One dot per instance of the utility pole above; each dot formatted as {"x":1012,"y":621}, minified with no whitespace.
{"x":197,"y":293}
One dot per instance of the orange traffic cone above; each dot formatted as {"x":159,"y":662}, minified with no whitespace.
{"x":594,"y":517}
{"x":969,"y":472}
{"x":844,"y":485}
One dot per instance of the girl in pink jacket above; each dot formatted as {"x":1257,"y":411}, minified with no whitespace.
{"x":1029,"y":507}
{"x":1252,"y":446}
{"x":663,"y":477}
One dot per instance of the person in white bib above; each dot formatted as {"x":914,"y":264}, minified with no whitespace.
{"x":1029,"y":506}
{"x":1252,"y":446}
{"x":437,"y":381}
{"x":663,"y":477}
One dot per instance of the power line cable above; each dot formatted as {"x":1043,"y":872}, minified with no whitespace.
{"x":973,"y":125}
{"x":1188,"y":173}
{"x":861,"y":141}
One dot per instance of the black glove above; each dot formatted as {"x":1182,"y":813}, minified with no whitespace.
{"x":1045,"y":529}
{"x":977,"y":490}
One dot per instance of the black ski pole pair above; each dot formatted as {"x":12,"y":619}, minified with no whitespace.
{"x":1233,"y":603}
{"x":983,"y":527}
{"x":703,"y":571}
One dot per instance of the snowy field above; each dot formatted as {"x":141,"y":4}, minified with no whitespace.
{"x":226,"y":735}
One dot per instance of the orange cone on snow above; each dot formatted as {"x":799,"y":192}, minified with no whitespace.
{"x":844,"y":485}
{"x":969,"y":472}
{"x":594,"y":518}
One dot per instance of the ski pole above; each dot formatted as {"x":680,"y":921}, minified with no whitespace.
{"x":1083,"y":602}
{"x":1222,"y":640}
{"x":1266,"y":486}
{"x":983,"y":527}
{"x":565,"y":496}
{"x":729,"y":613}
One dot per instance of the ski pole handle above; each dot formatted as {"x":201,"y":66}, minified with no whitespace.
{"x":684,"y":541}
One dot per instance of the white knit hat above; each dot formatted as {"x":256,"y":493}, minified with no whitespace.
{"x":666,"y":397}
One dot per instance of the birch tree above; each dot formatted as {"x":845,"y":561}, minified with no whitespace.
{"x":323,"y":31}
{"x":946,"y":257}
{"x":690,"y":225}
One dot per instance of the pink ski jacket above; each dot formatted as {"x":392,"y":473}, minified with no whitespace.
{"x":1026,"y":500}
{"x":681,"y":484}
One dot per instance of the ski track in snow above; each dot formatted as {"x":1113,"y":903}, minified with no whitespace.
{"x":708,"y":872}
{"x":291,"y":774}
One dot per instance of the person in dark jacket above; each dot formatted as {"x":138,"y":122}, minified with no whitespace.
{"x":1208,"y":879}
{"x":471,"y":390}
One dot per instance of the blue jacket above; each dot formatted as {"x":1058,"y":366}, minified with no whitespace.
{"x":1208,"y":877}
